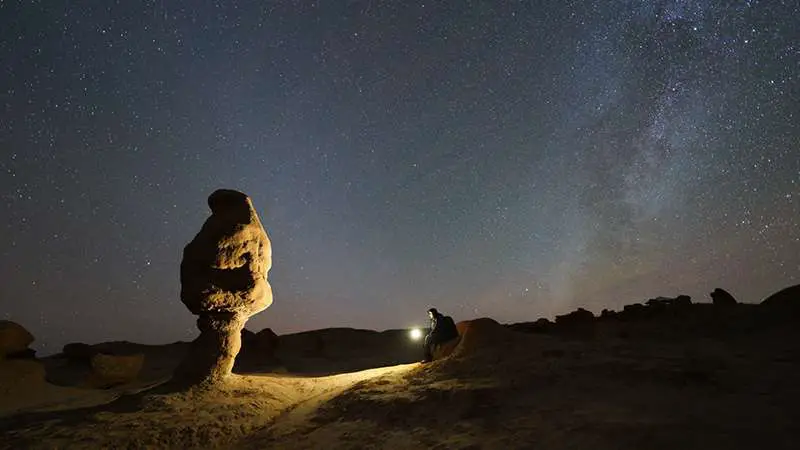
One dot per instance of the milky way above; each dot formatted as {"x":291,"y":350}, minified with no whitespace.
{"x":512,"y":161}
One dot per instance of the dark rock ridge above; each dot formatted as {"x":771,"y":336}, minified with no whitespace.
{"x":676,"y":317}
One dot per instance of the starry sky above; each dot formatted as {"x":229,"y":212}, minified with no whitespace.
{"x":505,"y":159}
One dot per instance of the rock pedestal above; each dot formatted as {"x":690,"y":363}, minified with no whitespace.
{"x":224,"y":282}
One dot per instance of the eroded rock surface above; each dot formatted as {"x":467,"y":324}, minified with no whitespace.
{"x":224,"y":282}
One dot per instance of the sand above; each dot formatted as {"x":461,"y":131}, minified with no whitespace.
{"x":499,"y":389}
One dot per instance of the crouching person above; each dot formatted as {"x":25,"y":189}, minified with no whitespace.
{"x":442,"y":330}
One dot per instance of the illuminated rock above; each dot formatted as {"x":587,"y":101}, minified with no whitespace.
{"x":224,"y":282}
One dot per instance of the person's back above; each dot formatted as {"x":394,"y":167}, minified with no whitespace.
{"x":449,"y":329}
{"x":443,"y":329}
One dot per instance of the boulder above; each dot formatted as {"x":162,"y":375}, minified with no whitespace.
{"x":223,"y":282}
{"x":721,"y":297}
{"x":14,"y":338}
{"x":112,"y":370}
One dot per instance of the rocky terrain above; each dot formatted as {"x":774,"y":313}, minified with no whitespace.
{"x":666,"y":373}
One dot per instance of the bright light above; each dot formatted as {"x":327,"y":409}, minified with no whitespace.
{"x":415,"y":334}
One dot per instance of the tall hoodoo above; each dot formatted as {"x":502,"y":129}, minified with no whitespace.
{"x":224,"y":282}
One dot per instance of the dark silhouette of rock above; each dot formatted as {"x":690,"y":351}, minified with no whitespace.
{"x":247,"y":336}
{"x":224,"y":282}
{"x":784,"y":305}
{"x":721,"y":297}
{"x":258,"y":350}
{"x":683,"y":301}
{"x":14,"y":338}
{"x":266,"y":341}
{"x":608,"y":314}
{"x":788,"y":298}
{"x":541,"y":325}
{"x":633,"y":311}
{"x":78,"y":352}
{"x":669,"y":302}
{"x":575,"y":318}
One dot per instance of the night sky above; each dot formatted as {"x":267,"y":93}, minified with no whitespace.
{"x":512,"y":160}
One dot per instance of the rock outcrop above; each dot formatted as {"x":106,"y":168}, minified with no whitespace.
{"x":113,"y":370}
{"x":788,"y":298}
{"x":721,"y":297}
{"x":14,"y":338}
{"x":258,"y":350}
{"x":223,"y":282}
{"x":78,"y":353}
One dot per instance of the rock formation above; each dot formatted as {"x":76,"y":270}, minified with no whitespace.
{"x":223,"y":282}
{"x":78,"y":353}
{"x":577,"y":317}
{"x":721,"y":297}
{"x":112,"y":370}
{"x":788,"y":298}
{"x":258,"y":350}
{"x":14,"y":339}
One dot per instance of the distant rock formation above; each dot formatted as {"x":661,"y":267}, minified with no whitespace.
{"x":78,"y":353}
{"x":113,"y":370}
{"x":721,"y":297}
{"x":541,"y":325}
{"x":258,"y":350}
{"x":14,"y":339}
{"x":223,"y":282}
{"x":481,"y":336}
{"x":784,"y":304}
{"x":785,"y":298}
{"x":575,"y":318}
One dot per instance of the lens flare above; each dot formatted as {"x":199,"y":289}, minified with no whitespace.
{"x":415,"y":334}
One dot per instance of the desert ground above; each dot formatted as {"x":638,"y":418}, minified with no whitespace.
{"x":661,"y":375}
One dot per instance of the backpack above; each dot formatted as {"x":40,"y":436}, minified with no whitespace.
{"x":449,"y":330}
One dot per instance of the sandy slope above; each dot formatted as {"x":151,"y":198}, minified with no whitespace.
{"x":219,"y":417}
{"x":500,"y":389}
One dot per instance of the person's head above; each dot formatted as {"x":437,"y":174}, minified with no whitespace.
{"x":433,"y":313}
